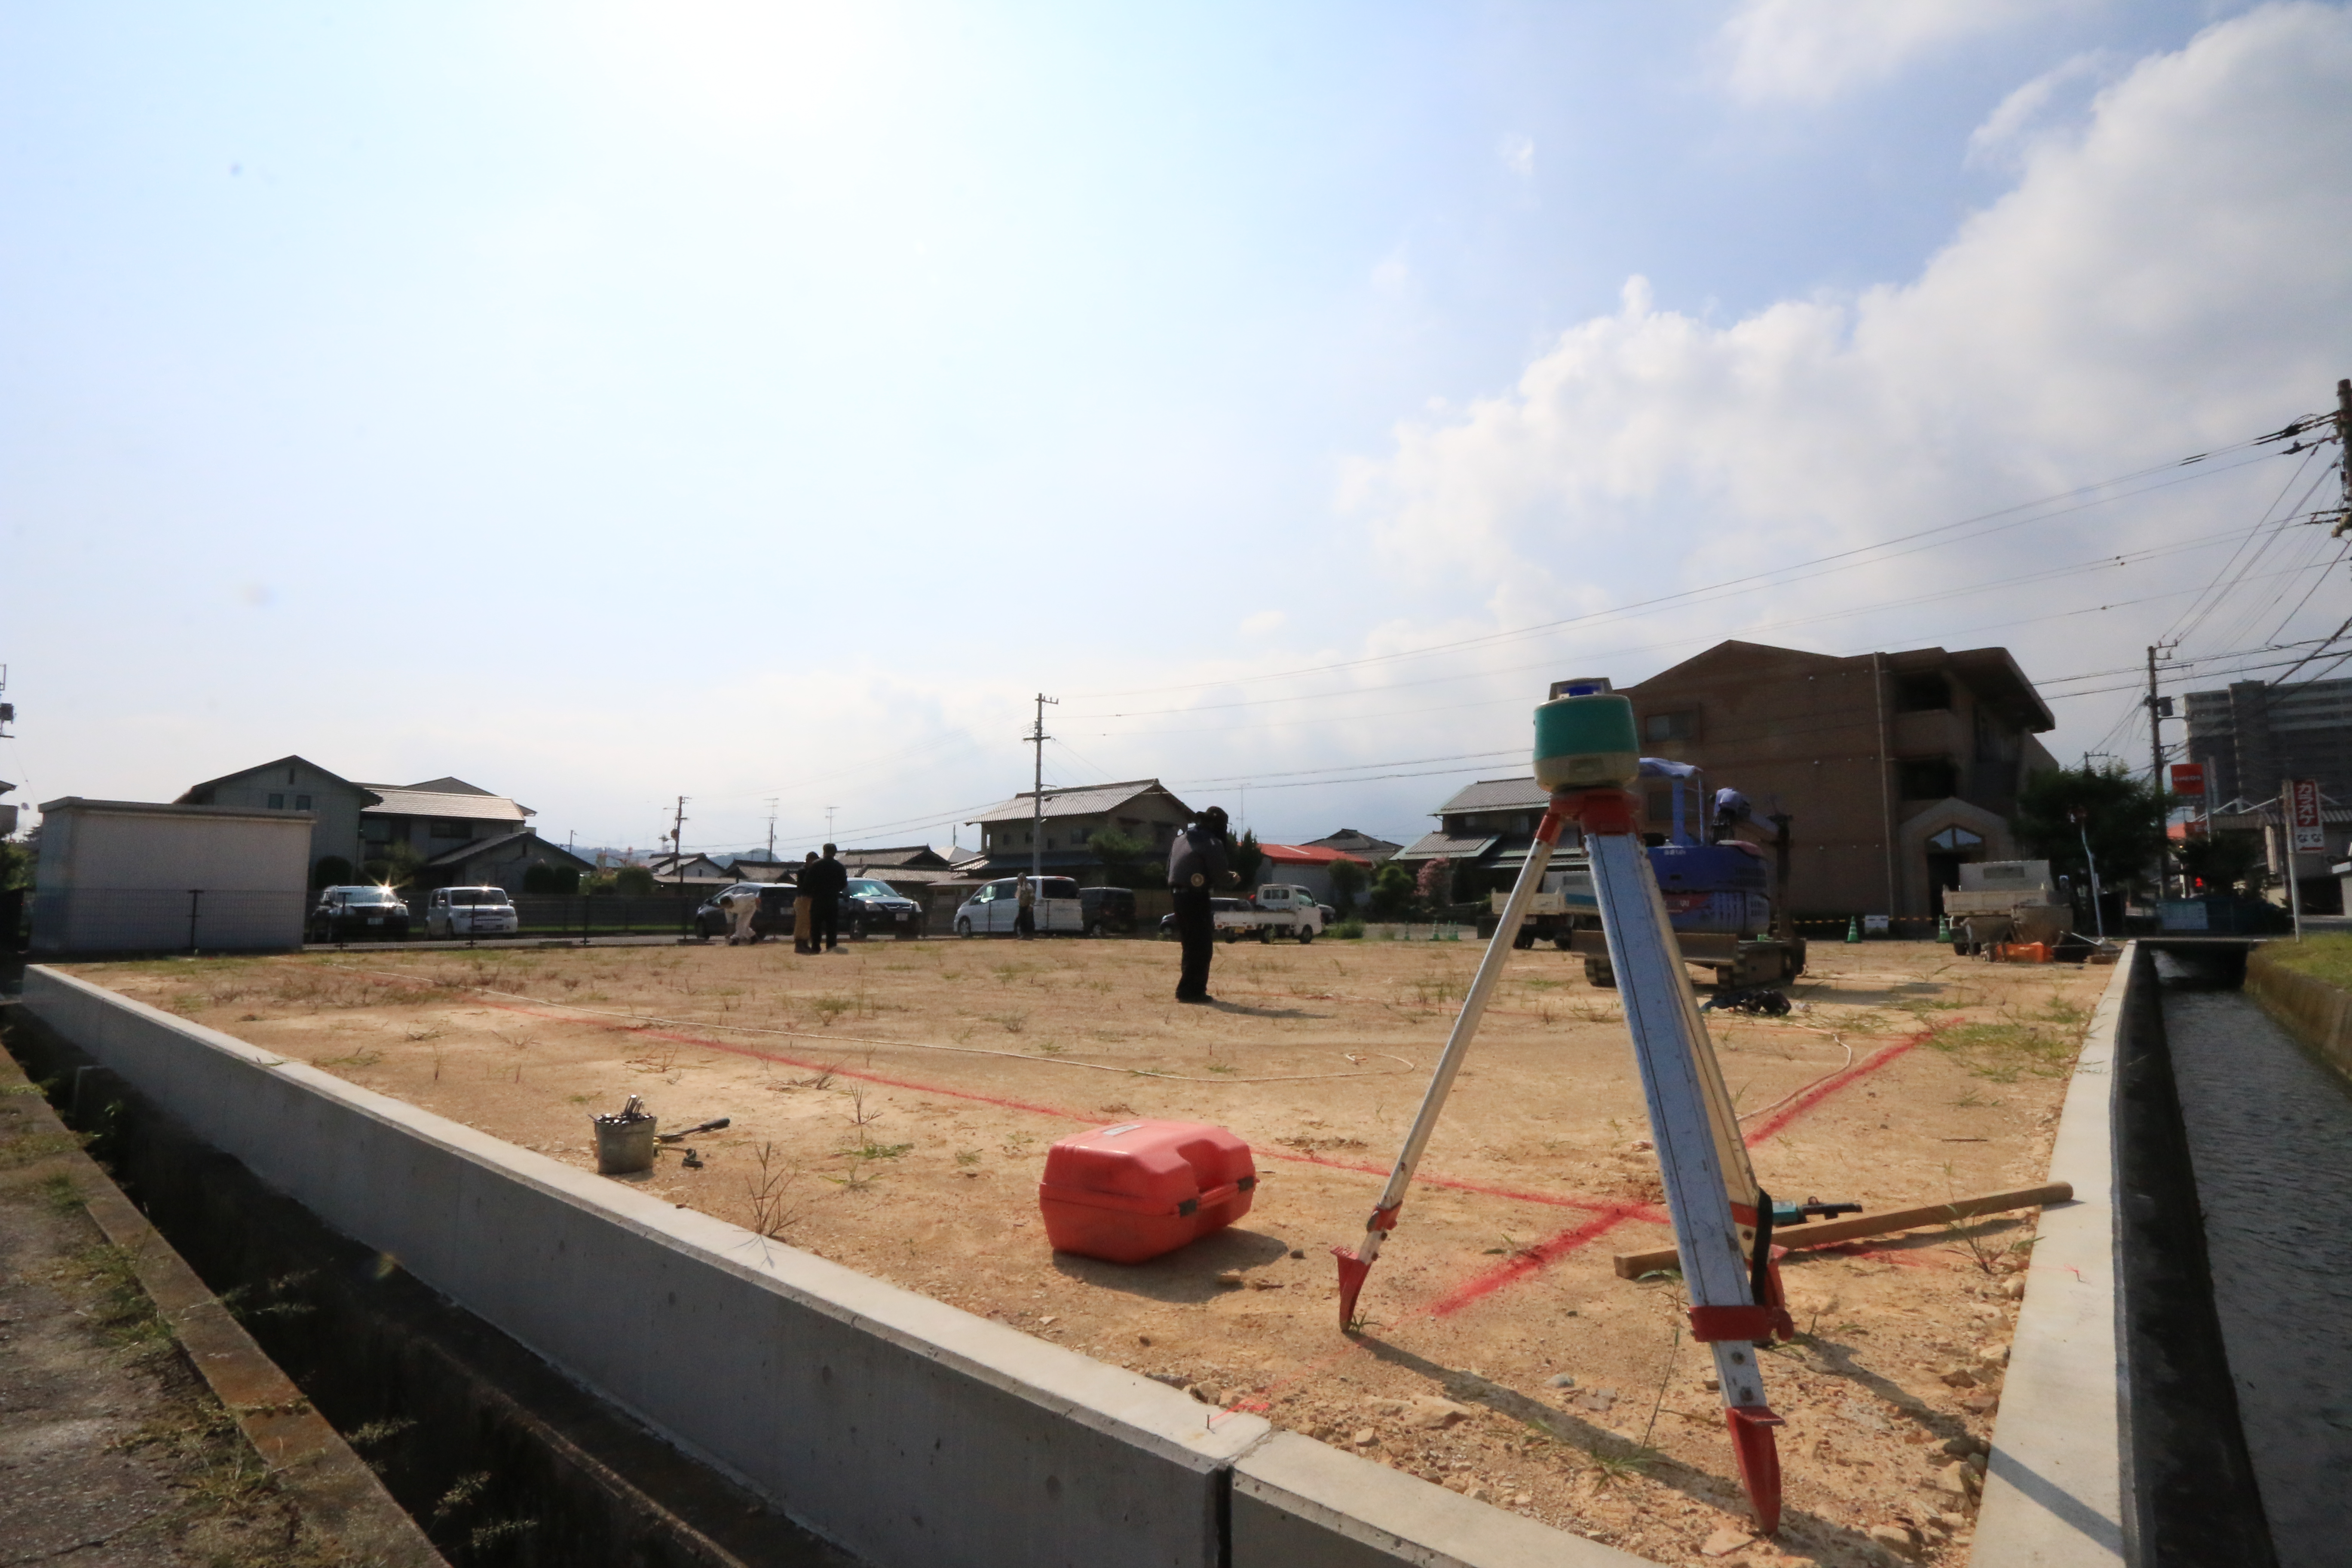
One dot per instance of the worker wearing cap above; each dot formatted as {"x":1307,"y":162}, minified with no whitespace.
{"x":1197,"y":867}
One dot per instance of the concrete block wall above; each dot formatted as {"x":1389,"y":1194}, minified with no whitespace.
{"x":2310,"y":1009}
{"x":905,"y":1430}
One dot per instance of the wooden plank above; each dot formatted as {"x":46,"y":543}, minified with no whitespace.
{"x":1825,"y":1233}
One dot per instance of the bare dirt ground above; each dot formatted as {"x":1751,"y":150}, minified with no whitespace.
{"x":892,"y":1105}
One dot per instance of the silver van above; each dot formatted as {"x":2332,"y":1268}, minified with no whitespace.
{"x":991,"y":909}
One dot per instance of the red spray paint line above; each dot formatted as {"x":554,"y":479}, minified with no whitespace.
{"x":1772,"y":1125}
{"x":1650,"y":1212}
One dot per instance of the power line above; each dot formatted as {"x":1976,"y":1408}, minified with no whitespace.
{"x":1775,"y":577}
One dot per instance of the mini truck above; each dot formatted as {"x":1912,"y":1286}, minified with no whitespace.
{"x":1718,"y":895}
{"x":1277,"y":909}
{"x":2007,"y":900}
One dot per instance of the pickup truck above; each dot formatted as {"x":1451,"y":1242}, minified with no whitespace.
{"x":2008,"y":900}
{"x":1276,"y":908}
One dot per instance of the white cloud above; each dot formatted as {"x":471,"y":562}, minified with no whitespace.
{"x":2026,"y":114}
{"x":1810,"y":50}
{"x":1517,"y":152}
{"x":2168,"y":279}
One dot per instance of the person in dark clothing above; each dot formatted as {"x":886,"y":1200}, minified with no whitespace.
{"x":804,"y":906}
{"x":826,"y":881}
{"x":1197,"y":867}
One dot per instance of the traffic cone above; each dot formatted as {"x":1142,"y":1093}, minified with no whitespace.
{"x":1853,"y":928}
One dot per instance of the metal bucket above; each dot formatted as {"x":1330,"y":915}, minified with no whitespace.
{"x":624,"y":1143}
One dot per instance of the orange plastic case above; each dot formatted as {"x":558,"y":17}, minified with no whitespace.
{"x":1134,"y":1190}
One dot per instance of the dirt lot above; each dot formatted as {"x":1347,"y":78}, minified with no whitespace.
{"x":892,"y":1104}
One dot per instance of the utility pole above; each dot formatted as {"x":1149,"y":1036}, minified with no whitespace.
{"x":2158,"y":709}
{"x":2344,"y":451}
{"x":828,"y":823}
{"x":1037,"y":738}
{"x":771,"y":827}
{"x":677,"y":845}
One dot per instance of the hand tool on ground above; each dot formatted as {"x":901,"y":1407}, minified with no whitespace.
{"x":1586,"y":753}
{"x":690,"y":1131}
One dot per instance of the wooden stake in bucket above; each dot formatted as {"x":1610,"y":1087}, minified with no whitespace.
{"x":624,"y":1143}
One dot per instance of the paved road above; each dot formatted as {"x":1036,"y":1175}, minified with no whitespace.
{"x":2269,"y":1133}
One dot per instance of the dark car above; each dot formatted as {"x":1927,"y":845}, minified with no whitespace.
{"x":712,"y":918}
{"x":1108,"y":911}
{"x":358,"y":914}
{"x":873,"y":908}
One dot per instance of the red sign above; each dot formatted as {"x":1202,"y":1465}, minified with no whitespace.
{"x":2303,"y":815}
{"x":2189,"y":779}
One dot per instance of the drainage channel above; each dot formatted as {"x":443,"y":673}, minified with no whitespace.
{"x":2269,"y":1134}
{"x":505,"y":1463}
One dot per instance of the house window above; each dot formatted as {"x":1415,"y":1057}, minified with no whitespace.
{"x":301,"y":803}
{"x":276,"y":803}
{"x":1670,"y":726}
{"x":376,"y":830}
{"x":444,"y":829}
{"x":1953,"y":838}
{"x":1928,"y":693}
{"x":1926,"y":778}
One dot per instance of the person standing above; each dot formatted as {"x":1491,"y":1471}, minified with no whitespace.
{"x":804,"y":906}
{"x":832,"y":881}
{"x":1198,"y":864}
{"x":1024,"y":912}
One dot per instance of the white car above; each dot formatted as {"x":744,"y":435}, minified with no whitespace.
{"x":991,"y":910}
{"x":469,"y":911}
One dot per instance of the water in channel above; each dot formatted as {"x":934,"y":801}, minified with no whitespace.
{"x":2270,"y":1133}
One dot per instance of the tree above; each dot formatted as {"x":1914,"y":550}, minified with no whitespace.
{"x":1392,"y":897}
{"x":632,"y":882}
{"x":1348,"y":881}
{"x":563,"y":879}
{"x":331,"y":871}
{"x":1120,"y":856}
{"x":398,"y":868}
{"x":1247,"y":857}
{"x":1436,"y":883}
{"x":2122,"y":816}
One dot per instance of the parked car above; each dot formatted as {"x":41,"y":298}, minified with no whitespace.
{"x":1231,"y":915}
{"x":1108,"y":912}
{"x":470,"y":911}
{"x":359,"y":913}
{"x":991,"y":910}
{"x":871,"y":907}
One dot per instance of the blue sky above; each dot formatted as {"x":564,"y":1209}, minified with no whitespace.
{"x":605,"y":403}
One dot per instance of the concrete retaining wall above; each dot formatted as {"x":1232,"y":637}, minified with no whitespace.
{"x":907,"y":1431}
{"x":2053,"y":1493}
{"x":2311,"y":1010}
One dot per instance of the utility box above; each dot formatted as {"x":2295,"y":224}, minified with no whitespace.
{"x":120,"y":876}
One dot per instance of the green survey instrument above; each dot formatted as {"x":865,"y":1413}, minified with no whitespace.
{"x":1586,"y":754}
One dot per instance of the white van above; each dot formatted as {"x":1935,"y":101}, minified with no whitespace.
{"x":991,"y":909}
{"x":469,"y":911}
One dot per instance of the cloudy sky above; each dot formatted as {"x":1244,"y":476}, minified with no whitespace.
{"x":761,"y":402}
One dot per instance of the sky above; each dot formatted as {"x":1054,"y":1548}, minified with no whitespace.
{"x":762,"y":403}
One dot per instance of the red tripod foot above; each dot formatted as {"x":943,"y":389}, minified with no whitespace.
{"x":1760,"y":1460}
{"x":1352,"y":1273}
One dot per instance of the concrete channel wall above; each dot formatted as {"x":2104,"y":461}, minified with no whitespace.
{"x":2310,"y":1009}
{"x":904,"y":1430}
{"x":2053,"y":1491}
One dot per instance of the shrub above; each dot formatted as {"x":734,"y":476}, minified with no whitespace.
{"x":331,"y":871}
{"x":1349,"y":930}
{"x":632,"y":882}
{"x":1392,"y":889}
{"x":546,"y":879}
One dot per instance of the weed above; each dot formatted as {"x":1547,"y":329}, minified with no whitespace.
{"x":828,"y":1008}
{"x":967,"y":1157}
{"x":768,"y":1190}
{"x":464,"y":1492}
{"x":359,"y":1059}
{"x":34,"y":1146}
{"x":374,"y":1432}
{"x":59,"y":1193}
{"x":1617,"y":1461}
{"x":122,"y":1311}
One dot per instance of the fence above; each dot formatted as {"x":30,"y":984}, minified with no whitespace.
{"x":165,"y":920}
{"x":589,"y":916}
